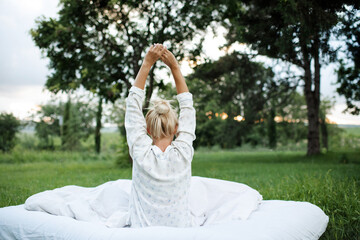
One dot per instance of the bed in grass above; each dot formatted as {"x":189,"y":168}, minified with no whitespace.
{"x":326,"y":180}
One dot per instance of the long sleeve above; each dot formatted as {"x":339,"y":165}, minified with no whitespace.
{"x":160,"y":180}
{"x":135,"y":123}
{"x":187,"y":124}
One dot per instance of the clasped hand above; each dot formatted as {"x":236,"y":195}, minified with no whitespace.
{"x":158,"y":51}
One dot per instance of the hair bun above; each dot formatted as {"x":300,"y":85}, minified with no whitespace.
{"x":162,"y":107}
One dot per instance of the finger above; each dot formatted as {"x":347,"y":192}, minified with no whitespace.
{"x":163,"y":51}
{"x":160,"y":47}
{"x":159,"y":51}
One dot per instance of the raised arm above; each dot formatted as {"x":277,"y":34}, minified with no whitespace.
{"x":135,"y":124}
{"x":187,"y":118}
{"x":169,"y":59}
{"x":151,"y":57}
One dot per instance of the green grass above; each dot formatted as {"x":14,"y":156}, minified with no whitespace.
{"x":322,"y":180}
{"x":352,"y":130}
{"x":331,"y":181}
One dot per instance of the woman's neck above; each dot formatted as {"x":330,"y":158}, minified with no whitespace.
{"x":163,"y":143}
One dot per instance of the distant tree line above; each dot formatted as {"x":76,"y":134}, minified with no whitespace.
{"x":66,"y":125}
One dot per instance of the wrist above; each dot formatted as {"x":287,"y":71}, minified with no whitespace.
{"x":147,"y":64}
{"x":175,"y":67}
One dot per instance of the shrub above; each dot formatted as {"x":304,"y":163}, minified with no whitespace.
{"x":9,"y":126}
{"x":123,"y":159}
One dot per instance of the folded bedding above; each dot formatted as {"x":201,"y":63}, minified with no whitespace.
{"x":222,"y":209}
{"x":211,"y":201}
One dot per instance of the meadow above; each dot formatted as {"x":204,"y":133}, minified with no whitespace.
{"x":330,"y":180}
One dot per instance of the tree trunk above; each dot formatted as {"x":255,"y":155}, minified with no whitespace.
{"x":312,"y":98}
{"x":98,"y":126}
{"x":324,"y":132}
{"x":313,"y":128}
{"x":272,"y":129}
{"x":313,"y":117}
{"x":66,"y":124}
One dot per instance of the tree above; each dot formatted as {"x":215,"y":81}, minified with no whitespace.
{"x":77,"y":118}
{"x":279,"y":96}
{"x":47,"y":125}
{"x":9,"y":126}
{"x":81,"y":51}
{"x":224,"y":89}
{"x":100,"y":44}
{"x":292,"y":117}
{"x":77,"y":123}
{"x":294,"y":31}
{"x":349,"y":70}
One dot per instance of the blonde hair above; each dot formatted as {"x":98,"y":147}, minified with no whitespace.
{"x":161,"y":119}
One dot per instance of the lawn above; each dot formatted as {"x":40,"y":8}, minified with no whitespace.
{"x":331,"y":181}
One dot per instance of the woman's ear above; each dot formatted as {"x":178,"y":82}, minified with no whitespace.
{"x":148,"y":131}
{"x":176,"y":128}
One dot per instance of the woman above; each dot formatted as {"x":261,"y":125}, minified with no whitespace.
{"x":161,"y":166}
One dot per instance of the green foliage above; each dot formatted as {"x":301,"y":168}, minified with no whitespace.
{"x":234,"y":85}
{"x":281,"y":116}
{"x":237,"y":86}
{"x":77,"y":120}
{"x":117,"y":115}
{"x":291,"y":127}
{"x":75,"y":127}
{"x":349,"y":80}
{"x":9,"y":126}
{"x":349,"y":69}
{"x":294,"y":31}
{"x":47,"y":125}
{"x":67,"y":127}
{"x":347,"y":138}
{"x":27,"y":141}
{"x":100,"y":44}
{"x":285,"y":29}
{"x":123,"y":159}
{"x":83,"y":115}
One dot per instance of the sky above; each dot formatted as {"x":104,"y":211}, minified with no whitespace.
{"x":23,"y":70}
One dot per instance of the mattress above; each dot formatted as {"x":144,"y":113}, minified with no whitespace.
{"x":248,"y":217}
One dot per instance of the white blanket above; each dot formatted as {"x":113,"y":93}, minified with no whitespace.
{"x":273,"y":220}
{"x":221,"y":206}
{"x":211,"y":201}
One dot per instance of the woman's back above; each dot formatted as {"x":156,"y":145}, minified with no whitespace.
{"x":161,"y":180}
{"x":159,"y":195}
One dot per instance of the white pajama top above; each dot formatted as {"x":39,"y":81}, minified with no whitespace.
{"x":160,"y":180}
